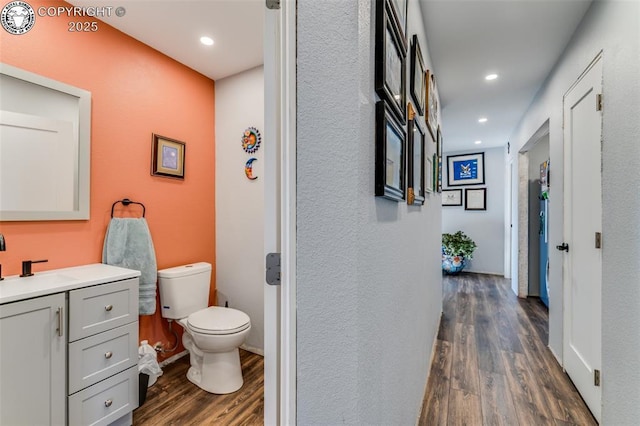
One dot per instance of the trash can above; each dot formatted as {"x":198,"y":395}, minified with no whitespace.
{"x":148,"y":370}
{"x":143,"y":385}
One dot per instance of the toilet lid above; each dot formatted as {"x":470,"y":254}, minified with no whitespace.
{"x":218,"y":320}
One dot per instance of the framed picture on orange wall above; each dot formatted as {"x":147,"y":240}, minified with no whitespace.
{"x":167,"y":157}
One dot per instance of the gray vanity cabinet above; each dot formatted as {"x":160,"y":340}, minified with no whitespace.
{"x":69,"y":347}
{"x":33,"y":374}
{"x":103,"y":353}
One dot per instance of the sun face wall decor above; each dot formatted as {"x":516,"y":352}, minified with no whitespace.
{"x":251,"y":140}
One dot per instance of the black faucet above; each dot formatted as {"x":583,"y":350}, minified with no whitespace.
{"x":26,"y":267}
{"x":3,"y":247}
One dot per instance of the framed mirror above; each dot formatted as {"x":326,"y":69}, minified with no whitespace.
{"x":45,"y":138}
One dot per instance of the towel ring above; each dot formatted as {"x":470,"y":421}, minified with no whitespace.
{"x":126,"y":202}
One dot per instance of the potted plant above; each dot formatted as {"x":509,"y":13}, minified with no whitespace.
{"x":456,"y":250}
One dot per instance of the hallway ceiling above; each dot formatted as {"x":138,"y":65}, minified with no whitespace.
{"x":520,"y":40}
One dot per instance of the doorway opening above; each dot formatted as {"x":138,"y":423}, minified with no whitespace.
{"x":534,"y":196}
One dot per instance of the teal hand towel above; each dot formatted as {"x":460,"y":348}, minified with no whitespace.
{"x":128,"y":244}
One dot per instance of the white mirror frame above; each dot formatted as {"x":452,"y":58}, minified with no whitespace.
{"x":80,"y":210}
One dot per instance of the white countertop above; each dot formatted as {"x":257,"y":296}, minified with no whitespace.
{"x":15,"y":288}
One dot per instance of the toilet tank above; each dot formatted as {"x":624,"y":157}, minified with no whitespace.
{"x":184,"y":289}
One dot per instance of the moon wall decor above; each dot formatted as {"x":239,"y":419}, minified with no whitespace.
{"x":248,"y":169}
{"x":251,"y":140}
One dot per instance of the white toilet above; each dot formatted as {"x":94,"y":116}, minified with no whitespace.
{"x":211,"y":334}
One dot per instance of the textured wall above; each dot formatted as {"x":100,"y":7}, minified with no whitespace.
{"x":614,"y":28}
{"x":369,"y":280}
{"x":239,"y":220}
{"x":486,"y":228}
{"x":136,"y":91}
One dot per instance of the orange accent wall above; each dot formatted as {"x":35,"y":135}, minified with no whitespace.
{"x":136,"y":91}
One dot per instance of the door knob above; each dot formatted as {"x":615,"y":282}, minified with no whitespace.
{"x":563,"y":247}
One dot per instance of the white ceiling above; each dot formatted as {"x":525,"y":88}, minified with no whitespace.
{"x":174,"y":28}
{"x":520,"y":40}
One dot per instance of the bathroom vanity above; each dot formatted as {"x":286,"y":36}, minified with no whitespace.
{"x":69,"y":347}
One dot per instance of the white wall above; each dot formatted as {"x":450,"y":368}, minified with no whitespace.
{"x":486,"y":228}
{"x":369,"y":276}
{"x":240,"y":201}
{"x":614,"y":28}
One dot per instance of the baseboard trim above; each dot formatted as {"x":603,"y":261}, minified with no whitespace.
{"x":252,"y":349}
{"x":431,"y":358}
{"x":497,"y":274}
{"x":173,"y":359}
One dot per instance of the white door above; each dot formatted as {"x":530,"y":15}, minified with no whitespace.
{"x":582,"y":273}
{"x":279,"y":184}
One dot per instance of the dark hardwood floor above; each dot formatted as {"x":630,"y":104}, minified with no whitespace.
{"x":492,"y":365}
{"x":174,"y":400}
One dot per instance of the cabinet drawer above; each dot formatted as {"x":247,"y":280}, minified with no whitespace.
{"x":97,"y":357}
{"x":99,"y":308}
{"x":106,"y":401}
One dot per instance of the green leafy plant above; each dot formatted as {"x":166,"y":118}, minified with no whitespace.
{"x":458,"y":244}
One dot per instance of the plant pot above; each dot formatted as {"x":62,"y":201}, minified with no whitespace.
{"x":453,"y":264}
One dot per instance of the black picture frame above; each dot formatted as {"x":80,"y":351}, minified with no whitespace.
{"x":439,"y":183}
{"x":418,"y":76}
{"x":439,"y":153}
{"x":390,"y":176}
{"x":390,"y":60}
{"x":452,"y":197}
{"x":434,"y":164}
{"x":475,"y":199}
{"x":400,"y":15}
{"x":465,"y":169}
{"x":415,"y":163}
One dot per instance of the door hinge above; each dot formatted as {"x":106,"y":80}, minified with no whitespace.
{"x":598,"y":240}
{"x":273,"y":4}
{"x":596,"y":377}
{"x":599,"y":102}
{"x":273,"y":269}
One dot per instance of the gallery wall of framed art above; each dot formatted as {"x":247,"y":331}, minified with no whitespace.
{"x":465,"y":172}
{"x":408,"y":137}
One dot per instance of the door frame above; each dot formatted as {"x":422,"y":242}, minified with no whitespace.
{"x":280,"y":211}
{"x":520,"y":280}
{"x":508,"y":214}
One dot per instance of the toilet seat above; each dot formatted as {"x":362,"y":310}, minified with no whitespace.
{"x":217,"y":320}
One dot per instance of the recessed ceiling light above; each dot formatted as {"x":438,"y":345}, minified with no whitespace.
{"x":482,"y":120}
{"x":478,"y":142}
{"x":207,"y":41}
{"x":491,"y":77}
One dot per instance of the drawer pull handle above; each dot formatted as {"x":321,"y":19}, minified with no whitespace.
{"x":108,"y":308}
{"x":108,"y":355}
{"x":60,"y":314}
{"x":108,"y":403}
